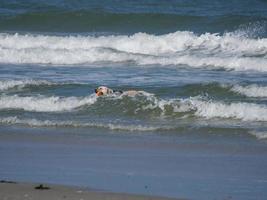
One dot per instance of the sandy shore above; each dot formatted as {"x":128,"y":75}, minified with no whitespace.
{"x":191,"y":166}
{"x":17,"y":191}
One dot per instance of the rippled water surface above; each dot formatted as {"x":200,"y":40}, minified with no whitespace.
{"x":199,"y":67}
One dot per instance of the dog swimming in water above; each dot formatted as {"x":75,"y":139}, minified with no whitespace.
{"x":103,"y":91}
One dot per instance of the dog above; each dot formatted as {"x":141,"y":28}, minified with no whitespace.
{"x":103,"y":91}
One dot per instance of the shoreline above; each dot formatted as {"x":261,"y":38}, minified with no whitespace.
{"x":193,"y":166}
{"x":19,"y":190}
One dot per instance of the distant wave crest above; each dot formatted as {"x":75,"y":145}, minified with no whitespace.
{"x":229,"y":51}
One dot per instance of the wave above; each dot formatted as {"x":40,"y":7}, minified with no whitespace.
{"x":211,"y":109}
{"x":259,"y":134}
{"x":143,"y":104}
{"x":45,"y":104}
{"x":48,"y":123}
{"x":182,"y":48}
{"x":251,"y":90}
{"x":9,"y":84}
{"x":199,"y":107}
{"x":241,"y":111}
{"x":216,"y":89}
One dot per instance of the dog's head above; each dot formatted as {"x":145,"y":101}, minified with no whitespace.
{"x":102,"y":90}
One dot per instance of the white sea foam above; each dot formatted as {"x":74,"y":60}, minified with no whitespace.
{"x":241,"y":111}
{"x":45,"y":104}
{"x":259,"y":134}
{"x":210,"y":109}
{"x":179,"y":48}
{"x":48,"y":123}
{"x":195,"y":106}
{"x":8,"y":84}
{"x":177,"y":105}
{"x":251,"y":90}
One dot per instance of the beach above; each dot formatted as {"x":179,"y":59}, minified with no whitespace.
{"x":18,"y":191}
{"x":137,"y":164}
{"x":194,"y":126}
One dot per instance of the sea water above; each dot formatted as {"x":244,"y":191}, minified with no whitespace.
{"x":200,"y":67}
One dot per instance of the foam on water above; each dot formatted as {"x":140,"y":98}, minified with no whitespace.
{"x":227,"y":51}
{"x":259,"y":134}
{"x":211,"y":109}
{"x":241,"y":111}
{"x":207,"y":108}
{"x":45,"y":104}
{"x":143,"y":102}
{"x":251,"y":90}
{"x":48,"y":123}
{"x":262,"y":135}
{"x":177,"y":104}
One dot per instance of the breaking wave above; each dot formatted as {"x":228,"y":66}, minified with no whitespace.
{"x":212,"y":109}
{"x":45,"y":104}
{"x":259,"y":134}
{"x":251,"y":90}
{"x":229,"y":51}
{"x":143,"y":104}
{"x":241,"y":111}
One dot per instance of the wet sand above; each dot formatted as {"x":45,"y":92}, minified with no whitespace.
{"x":18,"y":191}
{"x":197,"y":166}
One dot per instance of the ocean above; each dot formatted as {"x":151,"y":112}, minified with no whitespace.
{"x":200,"y":67}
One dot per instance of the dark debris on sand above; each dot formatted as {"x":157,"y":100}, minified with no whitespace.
{"x":42,"y":187}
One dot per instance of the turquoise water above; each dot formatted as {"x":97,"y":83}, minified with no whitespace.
{"x":200,"y":67}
